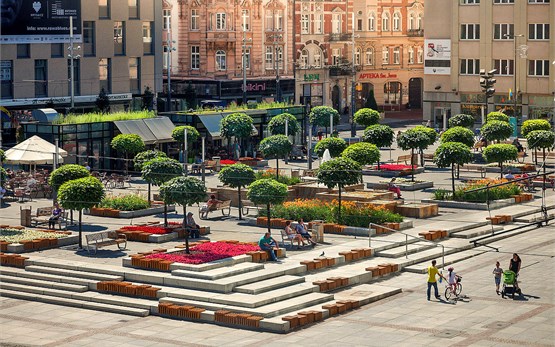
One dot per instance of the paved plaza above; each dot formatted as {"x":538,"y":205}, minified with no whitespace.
{"x":480,"y":318}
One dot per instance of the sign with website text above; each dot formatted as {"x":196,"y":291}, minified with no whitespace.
{"x":39,"y":21}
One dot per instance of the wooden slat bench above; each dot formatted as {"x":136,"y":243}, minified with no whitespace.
{"x":406,"y":159}
{"x":222,"y":206}
{"x":473,"y":167}
{"x":43,"y":216}
{"x":106,"y":238}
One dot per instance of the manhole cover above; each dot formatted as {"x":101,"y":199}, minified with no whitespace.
{"x":447,"y":334}
{"x":497,"y":325}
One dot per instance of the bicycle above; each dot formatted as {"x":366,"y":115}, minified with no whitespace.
{"x":454,"y":290}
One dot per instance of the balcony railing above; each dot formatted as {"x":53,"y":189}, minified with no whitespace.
{"x":339,"y":37}
{"x":415,"y":32}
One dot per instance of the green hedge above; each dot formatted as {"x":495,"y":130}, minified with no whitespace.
{"x":125,"y":203}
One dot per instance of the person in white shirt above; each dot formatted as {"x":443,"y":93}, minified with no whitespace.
{"x":452,"y":279}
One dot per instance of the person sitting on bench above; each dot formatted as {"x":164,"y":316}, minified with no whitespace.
{"x":392,"y":187}
{"x":56,"y":213}
{"x":192,"y":227}
{"x":291,"y":235}
{"x":301,"y":230}
{"x":210,"y":206}
{"x":267,"y":243}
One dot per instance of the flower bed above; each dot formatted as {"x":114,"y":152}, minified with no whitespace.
{"x":227,"y":162}
{"x":495,"y":193}
{"x":148,"y":229}
{"x":395,"y":167}
{"x":14,"y":235}
{"x":206,"y":252}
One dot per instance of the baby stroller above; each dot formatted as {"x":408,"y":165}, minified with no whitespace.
{"x":510,"y":284}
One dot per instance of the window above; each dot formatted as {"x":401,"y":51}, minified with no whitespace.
{"x":220,"y":21}
{"x":279,"y":56}
{"x":105,"y":74}
{"x":103,"y":8}
{"x":411,"y":55}
{"x":304,"y":59}
{"x":419,"y":21}
{"x":538,"y":68}
{"x":359,"y":24}
{"x":538,"y":31}
{"x":135,"y":75}
{"x":89,"y":37}
{"x":336,"y":56}
{"x":318,"y":23}
{"x":411,"y":21}
{"x":195,"y":57}
{"x":385,"y":56}
{"x":504,"y":67}
{"x":24,"y":50}
{"x":194,"y":20}
{"x":357,"y":56}
{"x":396,"y":21}
{"x":148,"y":43}
{"x":369,"y":56}
{"x":538,"y":1}
{"x":419,"y":55}
{"x":470,"y":2}
{"x":245,"y":20}
{"x":6,"y":79}
{"x":503,"y":1}
{"x":41,"y":78}
{"x":336,"y":23}
{"x":304,"y":24}
{"x":133,"y":9}
{"x":392,"y":92}
{"x":221,"y":62}
{"x":246,"y":63}
{"x":470,"y":31}
{"x":76,"y":76}
{"x":317,"y":58}
{"x":269,"y":58}
{"x":397,"y":55}
{"x":470,"y":66}
{"x":57,"y":50}
{"x":167,"y":19}
{"x":503,"y":31}
{"x":119,"y":39}
{"x":278,"y":16}
{"x":372,"y":22}
{"x":385,"y":21}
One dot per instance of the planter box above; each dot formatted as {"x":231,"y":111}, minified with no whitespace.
{"x":471,"y":205}
{"x":417,"y":210}
{"x":403,"y":186}
{"x":372,"y":172}
{"x":130,"y":214}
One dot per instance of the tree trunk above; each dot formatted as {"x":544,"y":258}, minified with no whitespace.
{"x":458,"y":171}
{"x":185,"y":232}
{"x":453,"y":178}
{"x":165,"y":215}
{"x":544,"y":175}
{"x":71,"y":216}
{"x":268,"y":216}
{"x":277,"y":169}
{"x":422,"y":157}
{"x":412,"y":164}
{"x":80,"y":231}
{"x":501,"y":168}
{"x":378,"y":164}
{"x":339,"y":210}
{"x":240,"y":209}
{"x":149,"y":200}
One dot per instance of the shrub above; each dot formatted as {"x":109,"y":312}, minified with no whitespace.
{"x":271,"y":174}
{"x":363,"y":153}
{"x":367,"y":117}
{"x":500,"y":153}
{"x":540,"y":139}
{"x":336,"y":146}
{"x":431,"y":134}
{"x":66,"y":173}
{"x":102,"y":117}
{"x":275,"y":146}
{"x":362,"y":216}
{"x":496,"y":130}
{"x":458,"y":134}
{"x":276,"y":125}
{"x":534,"y":124}
{"x":320,"y":115}
{"x":462,"y":120}
{"x":495,"y":193}
{"x":178,"y":134}
{"x":125,"y":203}
{"x":143,"y":157}
{"x":128,"y":144}
{"x":499,"y":116}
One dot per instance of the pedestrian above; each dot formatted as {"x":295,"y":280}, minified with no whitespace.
{"x":514,"y":266}
{"x":267,"y":243}
{"x":497,"y":273}
{"x":432,"y":280}
{"x":392,"y":187}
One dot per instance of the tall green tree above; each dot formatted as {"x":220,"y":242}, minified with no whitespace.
{"x":129,"y":145}
{"x":143,"y":157}
{"x":496,"y":130}
{"x":276,"y":125}
{"x":267,"y":192}
{"x":320,"y":115}
{"x":367,"y":117}
{"x":275,"y":147}
{"x":178,"y":135}
{"x":413,"y":139}
{"x":339,"y":172}
{"x":499,"y":116}
{"x":66,"y":173}
{"x":541,"y":139}
{"x":500,"y":153}
{"x":450,"y":153}
{"x":462,"y":120}
{"x":103,"y":102}
{"x":363,"y":153}
{"x":237,"y":176}
{"x":379,"y":134}
{"x":534,"y":124}
{"x":238,"y":125}
{"x":458,"y":134}
{"x":148,"y":99}
{"x":183,"y":191}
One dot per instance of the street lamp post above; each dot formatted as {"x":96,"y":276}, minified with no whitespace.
{"x":353,"y":82}
{"x":515,"y":90}
{"x":277,"y":37}
{"x":169,"y":64}
{"x":245,"y":58}
{"x":71,"y":57}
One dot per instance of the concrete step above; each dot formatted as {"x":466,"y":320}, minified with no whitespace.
{"x":76,"y":266}
{"x":220,"y":272}
{"x":271,"y":310}
{"x":422,"y":267}
{"x":46,"y":277}
{"x":269,"y":285}
{"x":402,"y":250}
{"x":44,"y":284}
{"x":503,"y":235}
{"x":73,"y":273}
{"x":474,"y":232}
{"x":56,"y":300}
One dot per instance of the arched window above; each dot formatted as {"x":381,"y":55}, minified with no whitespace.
{"x":385,"y":21}
{"x":411,"y":55}
{"x":419,"y":22}
{"x":221,"y":64}
{"x":372,"y":22}
{"x":397,"y":55}
{"x":357,"y":56}
{"x":369,"y":56}
{"x":317,"y":57}
{"x":396,"y":21}
{"x":411,"y":21}
{"x":304,"y":59}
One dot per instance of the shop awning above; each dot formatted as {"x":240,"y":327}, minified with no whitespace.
{"x":162,"y":128}
{"x":212,"y":124}
{"x":151,"y":130}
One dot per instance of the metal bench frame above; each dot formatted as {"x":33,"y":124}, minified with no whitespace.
{"x":105,"y":238}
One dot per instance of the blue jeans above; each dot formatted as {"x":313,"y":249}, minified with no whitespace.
{"x":270,"y":250}
{"x":430,"y":285}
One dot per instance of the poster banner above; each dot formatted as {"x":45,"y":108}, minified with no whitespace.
{"x":437,"y":60}
{"x":39,"y":21}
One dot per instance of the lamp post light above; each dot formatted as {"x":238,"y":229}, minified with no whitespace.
{"x":245,"y":57}
{"x":71,"y":57}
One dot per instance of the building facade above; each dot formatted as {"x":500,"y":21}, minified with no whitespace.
{"x":387,"y":37}
{"x":117,"y":47}
{"x":514,"y":37}
{"x":221,"y":43}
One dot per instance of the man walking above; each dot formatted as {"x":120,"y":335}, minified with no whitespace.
{"x":432,"y":281}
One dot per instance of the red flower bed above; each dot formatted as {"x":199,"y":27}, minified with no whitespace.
{"x":394,"y":167}
{"x":227,"y":162}
{"x":148,"y":229}
{"x":206,"y":252}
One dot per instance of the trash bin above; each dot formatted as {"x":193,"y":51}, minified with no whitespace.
{"x":25,"y":216}
{"x":295,"y":173}
{"x":318,"y":231}
{"x":218,"y":163}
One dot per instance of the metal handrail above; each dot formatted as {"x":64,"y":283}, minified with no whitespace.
{"x":406,"y":241}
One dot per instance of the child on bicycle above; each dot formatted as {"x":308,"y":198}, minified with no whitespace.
{"x":452,"y":279}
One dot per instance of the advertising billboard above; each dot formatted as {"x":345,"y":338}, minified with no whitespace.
{"x":437,"y":60}
{"x":39,"y":21}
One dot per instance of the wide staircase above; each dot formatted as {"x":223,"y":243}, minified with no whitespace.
{"x":277,"y":297}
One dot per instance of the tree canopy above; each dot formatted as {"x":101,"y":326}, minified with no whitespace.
{"x":183,"y":191}
{"x":66,"y":173}
{"x":336,"y":146}
{"x":236,"y":124}
{"x":449,"y":154}
{"x":367,"y":117}
{"x":267,"y":191}
{"x":81,"y":193}
{"x":458,"y":134}
{"x":496,"y":130}
{"x":275,"y":146}
{"x":363,"y":153}
{"x":534,"y":124}
{"x":276,"y":125}
{"x":339,"y":172}
{"x":462,"y":120}
{"x":500,"y":153}
{"x":413,"y":138}
{"x":540,"y":139}
{"x":320,"y":115}
{"x":237,"y":175}
{"x":178,"y":134}
{"x":145,"y":156}
{"x":128,"y":144}
{"x":160,"y":170}
{"x":379,"y":134}
{"x":499,"y":116}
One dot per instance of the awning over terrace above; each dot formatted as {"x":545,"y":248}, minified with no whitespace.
{"x":151,"y":130}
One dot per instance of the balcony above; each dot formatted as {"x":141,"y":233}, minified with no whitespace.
{"x":415,"y":32}
{"x":339,"y":37}
{"x":220,"y":36}
{"x":340,"y":70}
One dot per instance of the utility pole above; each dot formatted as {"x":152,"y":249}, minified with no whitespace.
{"x":277,"y":37}
{"x":244,"y":58}
{"x":353,"y":80}
{"x":71,"y":57}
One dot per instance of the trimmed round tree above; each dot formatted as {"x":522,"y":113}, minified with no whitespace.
{"x":66,"y":173}
{"x":367,"y":117}
{"x":541,"y":139}
{"x":500,"y":116}
{"x":160,"y":170}
{"x":237,"y":176}
{"x":81,"y":193}
{"x":276,"y":125}
{"x":462,"y":120}
{"x":458,"y":134}
{"x":450,"y":153}
{"x":339,"y":172}
{"x":320,"y":115}
{"x":183,"y":191}
{"x":336,"y":146}
{"x":267,"y":192}
{"x":432,"y":138}
{"x":414,"y":139}
{"x":500,"y":153}
{"x":129,"y":145}
{"x":275,"y":147}
{"x":178,"y":135}
{"x":238,"y":125}
{"x":143,"y":157}
{"x":363,"y":153}
{"x":534,"y":124}
{"x":496,"y":130}
{"x":379,"y":134}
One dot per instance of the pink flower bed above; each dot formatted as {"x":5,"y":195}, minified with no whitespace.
{"x":227,"y":162}
{"x":394,"y":167}
{"x":148,"y":229}
{"x":207,"y":252}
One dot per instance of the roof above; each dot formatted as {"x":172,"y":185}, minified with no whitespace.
{"x":151,"y":130}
